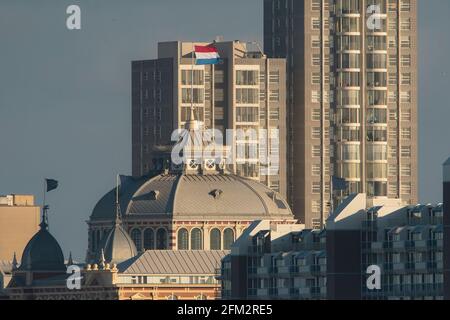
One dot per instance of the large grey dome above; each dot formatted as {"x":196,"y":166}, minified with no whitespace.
{"x":42,"y":253}
{"x":195,"y":196}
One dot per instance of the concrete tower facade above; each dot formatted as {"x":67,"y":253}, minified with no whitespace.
{"x":352,"y":98}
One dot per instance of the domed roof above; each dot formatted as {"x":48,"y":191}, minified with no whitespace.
{"x":117,"y":246}
{"x":42,"y":253}
{"x":200,"y":196}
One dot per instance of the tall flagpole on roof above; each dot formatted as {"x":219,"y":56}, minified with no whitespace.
{"x":192,"y":80}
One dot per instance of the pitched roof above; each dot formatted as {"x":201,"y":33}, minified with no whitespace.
{"x":169,"y":262}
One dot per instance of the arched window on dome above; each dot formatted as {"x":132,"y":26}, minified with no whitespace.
{"x":183,"y":239}
{"x":97,"y":239}
{"x":228,"y":239}
{"x":215,"y":240}
{"x":196,"y":239}
{"x":92,"y":240}
{"x":161,"y":239}
{"x":136,"y":236}
{"x":149,"y":239}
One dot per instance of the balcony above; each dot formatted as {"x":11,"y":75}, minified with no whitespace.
{"x":377,"y":246}
{"x":420,"y":266}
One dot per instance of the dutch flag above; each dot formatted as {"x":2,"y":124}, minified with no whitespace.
{"x":206,"y":55}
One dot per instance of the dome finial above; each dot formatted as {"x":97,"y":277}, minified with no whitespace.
{"x":70,"y":260}
{"x":118,"y":214}
{"x":14,"y":262}
{"x":44,"y":222}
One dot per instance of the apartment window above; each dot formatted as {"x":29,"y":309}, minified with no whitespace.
{"x":405,"y":96}
{"x":405,"y":188}
{"x":405,"y":170}
{"x":315,"y":23}
{"x":315,"y":96}
{"x":376,"y":152}
{"x":348,"y":42}
{"x":392,"y":152}
{"x":406,"y":133}
{"x":406,"y":115}
{"x":376,"y":171}
{"x":393,"y":189}
{"x":392,"y":79}
{"x":315,"y":115}
{"x":274,"y":77}
{"x":316,"y":187}
{"x":315,"y":41}
{"x":193,"y":95}
{"x":405,"y":42}
{"x":392,"y":172}
{"x":315,"y":60}
{"x":393,"y":115}
{"x":315,"y":5}
{"x":405,"y":5}
{"x":316,"y":170}
{"x":348,"y":79}
{"x":316,"y":151}
{"x":316,"y":133}
{"x":247,"y":96}
{"x":347,"y":24}
{"x":393,"y":134}
{"x":405,"y":24}
{"x":405,"y":151}
{"x":392,"y":97}
{"x":196,"y":75}
{"x":392,"y":60}
{"x":315,"y":78}
{"x":315,"y":206}
{"x":406,"y":78}
{"x":392,"y":42}
{"x":405,"y":60}
{"x":247,"y":114}
{"x":274,"y":95}
{"x":274,"y":114}
{"x":247,"y":77}
{"x":350,"y":171}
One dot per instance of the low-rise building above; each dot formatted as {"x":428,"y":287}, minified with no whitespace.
{"x":272,"y":261}
{"x":363,"y":236}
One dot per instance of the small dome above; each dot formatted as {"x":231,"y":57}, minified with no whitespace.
{"x":42,"y":253}
{"x":117,"y":245}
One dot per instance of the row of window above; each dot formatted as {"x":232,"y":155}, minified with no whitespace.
{"x":193,"y":240}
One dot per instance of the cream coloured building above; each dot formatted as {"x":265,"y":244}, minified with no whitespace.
{"x":19,"y":220}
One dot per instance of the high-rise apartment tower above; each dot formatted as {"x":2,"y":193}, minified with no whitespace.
{"x":352,"y":98}
{"x":245,"y":91}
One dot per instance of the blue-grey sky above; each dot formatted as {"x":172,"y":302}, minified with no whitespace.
{"x":65,"y":96}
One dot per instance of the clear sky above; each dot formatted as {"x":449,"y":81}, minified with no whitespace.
{"x":65,"y":96}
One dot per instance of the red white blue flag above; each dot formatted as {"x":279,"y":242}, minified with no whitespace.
{"x":206,"y":55}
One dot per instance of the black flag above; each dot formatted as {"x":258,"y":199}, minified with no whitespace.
{"x":51,"y":184}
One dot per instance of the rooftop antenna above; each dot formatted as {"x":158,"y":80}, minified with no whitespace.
{"x":118,"y":215}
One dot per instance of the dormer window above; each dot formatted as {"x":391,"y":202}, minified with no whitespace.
{"x":154,"y":195}
{"x":217,"y":193}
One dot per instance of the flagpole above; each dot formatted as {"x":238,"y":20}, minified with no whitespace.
{"x":43,"y":205}
{"x":192,"y":77}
